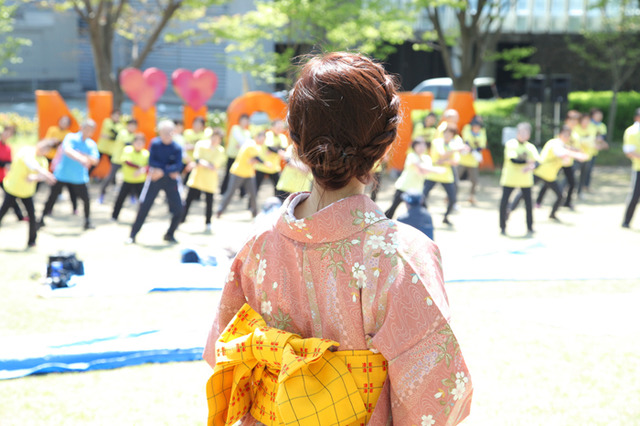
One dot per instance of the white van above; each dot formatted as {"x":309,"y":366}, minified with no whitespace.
{"x":483,"y":88}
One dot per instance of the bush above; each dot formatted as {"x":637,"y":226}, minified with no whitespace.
{"x":497,"y":108}
{"x":628,"y":102}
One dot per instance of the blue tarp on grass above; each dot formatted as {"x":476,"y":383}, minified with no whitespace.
{"x":26,"y":355}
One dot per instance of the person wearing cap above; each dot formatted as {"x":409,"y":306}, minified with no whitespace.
{"x":474,"y":136}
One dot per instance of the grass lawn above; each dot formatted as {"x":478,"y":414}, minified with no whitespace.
{"x":545,"y":352}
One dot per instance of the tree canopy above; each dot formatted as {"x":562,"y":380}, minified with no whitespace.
{"x":9,"y":46}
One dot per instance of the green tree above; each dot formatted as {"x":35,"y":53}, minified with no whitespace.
{"x":9,"y":46}
{"x":614,"y":47}
{"x":300,"y":26}
{"x":143,"y":22}
{"x":472,"y":25}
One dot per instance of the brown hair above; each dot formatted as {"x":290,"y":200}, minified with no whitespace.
{"x":343,"y":116}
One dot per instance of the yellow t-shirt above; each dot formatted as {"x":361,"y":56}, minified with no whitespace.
{"x":438,"y":149}
{"x":411,"y":179}
{"x":190,"y":137}
{"x":139,"y":158}
{"x":276,"y":142}
{"x":55,"y":133}
{"x":586,"y":139}
{"x":513,"y":175}
{"x":15,"y":182}
{"x":478,"y":141}
{"x":550,"y":160}
{"x":243,"y":166}
{"x":233,"y":144}
{"x":109,"y":128}
{"x":426,"y":133}
{"x":123,"y":139}
{"x":201,"y":177}
{"x":631,"y":139}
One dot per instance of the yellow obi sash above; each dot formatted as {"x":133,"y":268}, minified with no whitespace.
{"x":284,"y":379}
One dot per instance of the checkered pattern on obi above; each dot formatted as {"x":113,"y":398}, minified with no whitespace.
{"x":284,"y":379}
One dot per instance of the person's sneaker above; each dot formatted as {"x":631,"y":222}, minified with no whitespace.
{"x":170,"y":239}
{"x":130,"y":240}
{"x":40,"y":224}
{"x":447,"y":222}
{"x":133,"y":200}
{"x":625,"y":225}
{"x":89,"y":225}
{"x":31,"y":245}
{"x":530,"y":233}
{"x":75,"y":212}
{"x":25,"y":219}
{"x":538,"y":205}
{"x":207,"y":227}
{"x":570,"y":207}
{"x":503,"y":232}
{"x":101,"y":199}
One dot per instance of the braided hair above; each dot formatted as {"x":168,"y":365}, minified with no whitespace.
{"x":343,"y":116}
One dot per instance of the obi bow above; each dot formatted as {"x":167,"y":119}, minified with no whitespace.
{"x":282,"y":378}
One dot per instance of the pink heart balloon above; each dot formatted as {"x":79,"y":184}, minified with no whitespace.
{"x":144,"y":88}
{"x":194,"y":88}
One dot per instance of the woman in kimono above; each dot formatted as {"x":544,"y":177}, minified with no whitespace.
{"x":333,"y":294}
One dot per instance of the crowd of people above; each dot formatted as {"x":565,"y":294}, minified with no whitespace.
{"x":440,"y":153}
{"x":186,"y":165}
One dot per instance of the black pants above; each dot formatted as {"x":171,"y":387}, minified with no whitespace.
{"x":16,"y":208}
{"x":110,"y":179}
{"x":225,"y":180}
{"x":397,"y":199}
{"x":273,"y":177}
{"x":504,"y":204}
{"x":633,"y":200}
{"x":126,"y":189}
{"x":75,"y":190}
{"x":555,"y":187}
{"x":10,"y":201}
{"x":450,"y":189}
{"x":584,"y":174}
{"x":194,"y":194}
{"x":148,"y":196}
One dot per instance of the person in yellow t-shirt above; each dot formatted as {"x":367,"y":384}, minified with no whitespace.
{"x":243,"y":173}
{"x":416,"y":167}
{"x":273,"y":151}
{"x":108,"y":133}
{"x":55,"y":135}
{"x":295,"y":176}
{"x":585,"y":133}
{"x":475,"y":138}
{"x":8,"y":132}
{"x":554,"y":154}
{"x":426,"y":130}
{"x":197,"y":132}
{"x":209,"y":157}
{"x":28,"y":167}
{"x":601,"y":144}
{"x":520,"y":159}
{"x":125,"y":138}
{"x":135,"y":161}
{"x":239,"y":134}
{"x":445,"y":152}
{"x":631,"y":148}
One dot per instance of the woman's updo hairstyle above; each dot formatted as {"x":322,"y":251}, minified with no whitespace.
{"x":343,"y":115}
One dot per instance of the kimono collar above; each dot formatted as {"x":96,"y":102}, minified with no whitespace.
{"x":335,"y":222}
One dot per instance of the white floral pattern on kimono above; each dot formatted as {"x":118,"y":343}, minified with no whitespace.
{"x":349,"y":274}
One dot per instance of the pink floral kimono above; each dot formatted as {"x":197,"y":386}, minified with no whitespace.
{"x":351,"y":275}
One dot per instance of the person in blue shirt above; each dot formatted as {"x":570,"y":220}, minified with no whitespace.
{"x":165,"y":166}
{"x":79,"y":153}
